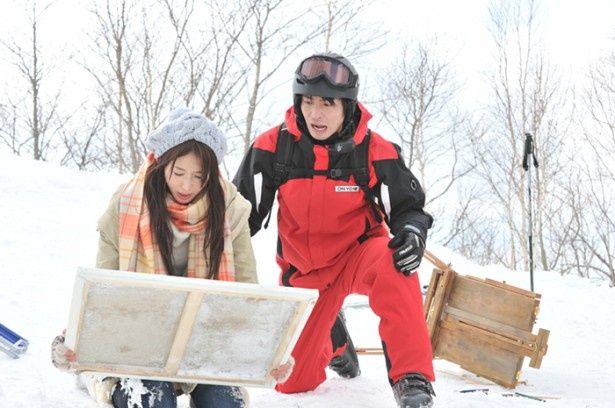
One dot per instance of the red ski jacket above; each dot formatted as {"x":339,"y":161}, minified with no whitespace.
{"x":321,"y":217}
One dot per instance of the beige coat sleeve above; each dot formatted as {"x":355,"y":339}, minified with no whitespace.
{"x":107,"y":256}
{"x":238,"y":211}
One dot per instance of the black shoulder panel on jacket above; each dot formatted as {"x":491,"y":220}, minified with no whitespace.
{"x":404,"y":195}
{"x":254,"y":180}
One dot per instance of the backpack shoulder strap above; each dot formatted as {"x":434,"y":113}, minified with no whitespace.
{"x":281,"y":161}
{"x":360,"y":164}
{"x":283,"y":153}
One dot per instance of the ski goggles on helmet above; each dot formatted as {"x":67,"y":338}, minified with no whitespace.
{"x":314,"y":68}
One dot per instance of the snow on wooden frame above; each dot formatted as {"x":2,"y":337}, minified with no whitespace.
{"x":128,"y":324}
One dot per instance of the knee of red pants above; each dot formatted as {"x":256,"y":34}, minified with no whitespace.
{"x":377,"y":275}
{"x":398,"y":301}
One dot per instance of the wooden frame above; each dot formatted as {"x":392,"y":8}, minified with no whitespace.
{"x":485,"y":326}
{"x":128,"y":324}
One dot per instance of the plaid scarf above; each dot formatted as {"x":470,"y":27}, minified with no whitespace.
{"x":138,"y":252}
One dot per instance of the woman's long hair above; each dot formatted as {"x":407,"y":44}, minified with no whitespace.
{"x":156,"y":192}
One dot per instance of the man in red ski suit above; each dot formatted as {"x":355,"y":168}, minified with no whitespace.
{"x":343,"y":190}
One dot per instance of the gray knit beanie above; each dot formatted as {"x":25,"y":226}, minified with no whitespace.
{"x":182,"y":125}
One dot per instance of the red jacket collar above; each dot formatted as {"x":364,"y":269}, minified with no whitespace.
{"x":359,"y":135}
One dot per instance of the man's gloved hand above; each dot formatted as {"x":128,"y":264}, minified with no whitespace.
{"x":409,"y":248}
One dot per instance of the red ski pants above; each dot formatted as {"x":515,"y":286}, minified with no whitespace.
{"x":366,"y":269}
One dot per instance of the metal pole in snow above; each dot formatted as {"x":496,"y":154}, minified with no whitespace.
{"x":529,"y":156}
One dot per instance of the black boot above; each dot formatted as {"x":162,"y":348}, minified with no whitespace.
{"x":413,"y":391}
{"x":346,"y":364}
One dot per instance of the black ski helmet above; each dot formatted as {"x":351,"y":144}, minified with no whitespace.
{"x":328,"y":75}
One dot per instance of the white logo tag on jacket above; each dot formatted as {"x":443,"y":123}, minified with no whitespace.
{"x":346,"y":189}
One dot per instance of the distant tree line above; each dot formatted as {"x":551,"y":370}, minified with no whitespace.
{"x":228,"y":59}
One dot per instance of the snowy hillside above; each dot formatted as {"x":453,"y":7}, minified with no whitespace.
{"x":48,"y":229}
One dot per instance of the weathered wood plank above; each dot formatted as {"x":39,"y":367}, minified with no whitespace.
{"x":541,"y":348}
{"x":477,"y":354}
{"x":497,"y":304}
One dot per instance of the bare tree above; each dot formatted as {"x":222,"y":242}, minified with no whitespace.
{"x":600,"y":237}
{"x":591,"y":203}
{"x":600,"y":103}
{"x":119,"y":55}
{"x":39,"y":114}
{"x":419,"y":104}
{"x":574,"y":256}
{"x":158,"y":66}
{"x":344,"y":32}
{"x":8,"y":127}
{"x":469,"y":232}
{"x":212,"y":70}
{"x":274,"y":33}
{"x":138,"y":72}
{"x":525,"y":95}
{"x":84,"y":143}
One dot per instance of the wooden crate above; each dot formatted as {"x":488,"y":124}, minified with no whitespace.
{"x":483,"y":325}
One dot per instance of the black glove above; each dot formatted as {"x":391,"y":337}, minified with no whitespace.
{"x":409,"y":249}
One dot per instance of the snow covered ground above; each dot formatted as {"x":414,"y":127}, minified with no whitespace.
{"x":47,"y":230}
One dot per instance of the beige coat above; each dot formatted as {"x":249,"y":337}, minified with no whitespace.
{"x":237,"y":212}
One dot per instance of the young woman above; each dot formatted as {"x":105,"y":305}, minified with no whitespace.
{"x":176,"y":216}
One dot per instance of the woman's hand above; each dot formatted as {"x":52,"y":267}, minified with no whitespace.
{"x":283,"y":372}
{"x":61,"y":356}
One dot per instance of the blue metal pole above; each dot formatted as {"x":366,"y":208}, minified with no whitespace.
{"x":12,"y":343}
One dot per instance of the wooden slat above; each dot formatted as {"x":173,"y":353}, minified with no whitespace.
{"x":77,"y":311}
{"x":511,"y":288}
{"x":435,"y":261}
{"x":119,"y":370}
{"x":475,"y":353}
{"x":445,"y":283}
{"x":431,"y":291}
{"x":147,"y":372}
{"x":518,"y":347}
{"x":541,"y":348}
{"x":184,"y":330}
{"x":302,"y":313}
{"x":489,"y":325}
{"x":493,"y":303}
{"x":430,"y":304}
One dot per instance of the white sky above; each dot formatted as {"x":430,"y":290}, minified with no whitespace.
{"x":573,"y":30}
{"x":574,"y":33}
